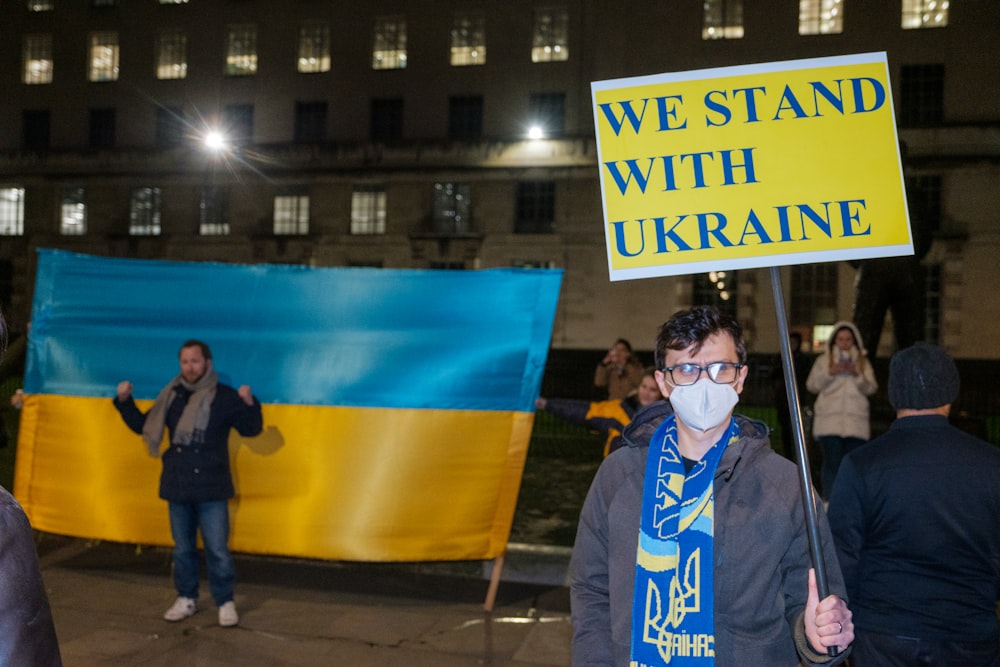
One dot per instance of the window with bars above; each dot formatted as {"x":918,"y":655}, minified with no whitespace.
{"x":11,"y":211}
{"x":821,"y":17}
{"x":37,"y":58}
{"x":213,"y":214}
{"x":921,"y":90}
{"x":103,"y":56}
{"x":237,"y":119}
{"x":171,"y":54}
{"x":368,"y":210}
{"x":144,"y":212}
{"x":536,"y":207}
{"x":465,"y":117}
{"x":716,"y":288}
{"x":291,"y":214}
{"x":389,"y":43}
{"x":241,"y":49}
{"x":933,"y":298}
{"x":723,"y":19}
{"x":452,"y":208}
{"x":387,"y":120}
{"x":170,"y":126}
{"x":550,"y":35}
{"x":310,"y":122}
{"x":73,"y":212}
{"x":813,"y":294}
{"x":102,"y":128}
{"x":468,"y":39}
{"x":548,"y":111}
{"x":314,"y":47}
{"x":919,"y":14}
{"x":37,"y":125}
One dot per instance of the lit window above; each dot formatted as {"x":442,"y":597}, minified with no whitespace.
{"x":37,"y":56}
{"x":821,"y":17}
{"x":314,"y":48}
{"x":723,"y":19}
{"x":452,"y":208}
{"x":213,"y":220}
{"x":41,"y":5}
{"x":389,"y":47}
{"x":144,"y":212}
{"x":468,"y":40}
{"x":73,"y":212}
{"x":925,"y":14}
{"x":173,"y":2}
{"x":368,"y":211}
{"x":241,"y":50}
{"x":11,"y":211}
{"x":550,"y":36}
{"x":171,"y":54}
{"x":103,"y":56}
{"x":716,"y":288}
{"x":291,"y":214}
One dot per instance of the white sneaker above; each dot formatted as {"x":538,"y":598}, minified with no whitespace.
{"x":181,"y":609}
{"x":228,"y":616}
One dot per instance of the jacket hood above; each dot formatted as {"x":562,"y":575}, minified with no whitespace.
{"x":844,"y":324}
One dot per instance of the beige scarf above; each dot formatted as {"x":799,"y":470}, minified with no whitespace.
{"x":193,"y":420}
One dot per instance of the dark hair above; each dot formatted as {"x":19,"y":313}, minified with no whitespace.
{"x":687,"y":328}
{"x":205,"y":352}
{"x":622,"y":341}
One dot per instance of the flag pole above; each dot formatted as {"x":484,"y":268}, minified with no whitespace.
{"x":795,"y":413}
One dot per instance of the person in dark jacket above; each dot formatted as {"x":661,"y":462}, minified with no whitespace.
{"x":198,"y":411}
{"x":606,"y":417}
{"x":27,"y":633}
{"x":692,"y":545}
{"x":916,"y":517}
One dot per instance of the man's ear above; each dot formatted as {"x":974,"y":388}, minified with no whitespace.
{"x":741,"y":378}
{"x":661,"y":382}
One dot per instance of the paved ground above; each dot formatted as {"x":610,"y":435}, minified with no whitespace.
{"x":108,"y":599}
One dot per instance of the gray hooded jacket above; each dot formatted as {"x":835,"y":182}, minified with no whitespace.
{"x":761,"y":554}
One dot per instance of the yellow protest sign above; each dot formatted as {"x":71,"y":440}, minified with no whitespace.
{"x":751,"y":166}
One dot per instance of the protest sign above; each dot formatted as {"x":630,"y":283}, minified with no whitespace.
{"x":750,"y":166}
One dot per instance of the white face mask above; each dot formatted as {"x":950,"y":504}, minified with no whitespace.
{"x":704,"y":404}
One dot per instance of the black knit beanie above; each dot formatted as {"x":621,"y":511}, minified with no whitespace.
{"x":922,"y":376}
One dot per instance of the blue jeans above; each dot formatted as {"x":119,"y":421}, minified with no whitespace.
{"x":835,"y":448}
{"x":212,"y":518}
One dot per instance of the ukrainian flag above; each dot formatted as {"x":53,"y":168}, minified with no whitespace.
{"x":398,"y":404}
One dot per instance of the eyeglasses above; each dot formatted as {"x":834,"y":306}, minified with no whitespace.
{"x":719,"y":372}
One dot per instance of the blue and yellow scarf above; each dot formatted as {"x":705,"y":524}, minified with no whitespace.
{"x":673,"y":614}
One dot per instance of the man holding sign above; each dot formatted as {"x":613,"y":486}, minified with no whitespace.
{"x":692,"y":547}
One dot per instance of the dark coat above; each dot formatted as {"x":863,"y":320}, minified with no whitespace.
{"x":27,"y":633}
{"x":200,"y":472}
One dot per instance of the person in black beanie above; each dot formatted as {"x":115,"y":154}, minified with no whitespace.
{"x":915,"y":514}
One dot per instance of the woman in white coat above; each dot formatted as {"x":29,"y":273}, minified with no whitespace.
{"x":842,"y":378}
